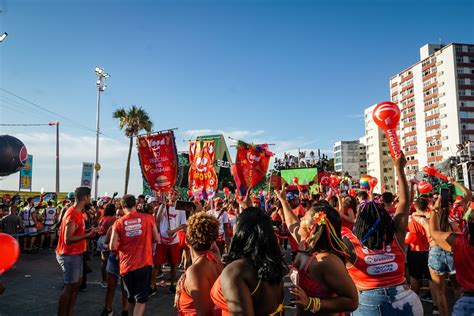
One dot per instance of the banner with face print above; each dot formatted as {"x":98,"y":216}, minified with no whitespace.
{"x":251,"y":165}
{"x":202,"y":176}
{"x":158,"y":160}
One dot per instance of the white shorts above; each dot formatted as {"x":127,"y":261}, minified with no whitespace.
{"x":31,"y":231}
{"x":48,"y":228}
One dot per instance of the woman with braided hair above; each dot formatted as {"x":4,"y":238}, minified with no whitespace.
{"x":377,"y":259}
{"x":321,"y":282}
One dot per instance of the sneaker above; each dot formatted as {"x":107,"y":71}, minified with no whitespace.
{"x":103,"y":285}
{"x":152,"y":292}
{"x":160,"y":276}
{"x":435,"y":310}
{"x":172,"y":289}
{"x":107,"y":312}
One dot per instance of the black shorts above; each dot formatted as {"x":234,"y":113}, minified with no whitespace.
{"x":417,"y":262}
{"x":137,"y":285}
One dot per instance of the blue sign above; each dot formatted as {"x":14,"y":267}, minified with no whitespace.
{"x":26,"y":174}
{"x":87,"y":174}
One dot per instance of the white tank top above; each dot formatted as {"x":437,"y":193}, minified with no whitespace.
{"x":49,"y":216}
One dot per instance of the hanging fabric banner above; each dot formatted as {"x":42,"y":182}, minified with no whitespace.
{"x":158,"y":160}
{"x":251,"y":165}
{"x":202,"y":176}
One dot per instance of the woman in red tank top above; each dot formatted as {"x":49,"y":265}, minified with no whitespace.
{"x":377,"y":261}
{"x":321,"y":281}
{"x":462,"y":246}
{"x":252,"y":281}
{"x":193,"y":295}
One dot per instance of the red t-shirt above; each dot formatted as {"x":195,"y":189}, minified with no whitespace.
{"x":105,"y":223}
{"x":419,"y":241}
{"x":345,"y":223}
{"x":79,"y":247}
{"x":376,"y":268}
{"x":463,"y":255}
{"x":135,"y":234}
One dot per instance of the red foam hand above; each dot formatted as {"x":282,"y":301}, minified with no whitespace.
{"x":325,"y":181}
{"x":435,"y":173}
{"x":334,"y":181}
{"x":386,"y":115}
{"x":424,"y":187}
{"x":373,"y":182}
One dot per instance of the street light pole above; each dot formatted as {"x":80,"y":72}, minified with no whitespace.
{"x":101,"y":86}
{"x":57,"y":155}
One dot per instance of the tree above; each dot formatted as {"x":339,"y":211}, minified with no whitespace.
{"x":132,"y":122}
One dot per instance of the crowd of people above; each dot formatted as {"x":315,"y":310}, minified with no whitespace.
{"x":364,"y":254}
{"x":302,"y":160}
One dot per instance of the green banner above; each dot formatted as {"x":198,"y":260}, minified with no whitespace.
{"x":305,"y":175}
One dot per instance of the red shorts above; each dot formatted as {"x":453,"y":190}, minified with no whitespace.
{"x":167,"y":254}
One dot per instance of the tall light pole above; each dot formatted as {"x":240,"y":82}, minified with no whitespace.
{"x":57,"y":155}
{"x":101,"y":87}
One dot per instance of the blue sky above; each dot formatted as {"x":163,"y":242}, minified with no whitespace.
{"x":293,"y":73}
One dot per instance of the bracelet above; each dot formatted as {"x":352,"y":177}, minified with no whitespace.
{"x":317,"y":305}
{"x":309,"y":304}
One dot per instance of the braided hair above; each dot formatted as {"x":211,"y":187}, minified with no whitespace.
{"x":382,"y":233}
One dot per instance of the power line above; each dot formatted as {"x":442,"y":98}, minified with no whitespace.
{"x":55,"y":114}
{"x":24,"y":124}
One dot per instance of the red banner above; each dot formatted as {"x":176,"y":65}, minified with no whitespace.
{"x":202,"y":176}
{"x":158,"y":160}
{"x":251,"y":165}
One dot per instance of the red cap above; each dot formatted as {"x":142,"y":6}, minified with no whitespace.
{"x":218,"y":200}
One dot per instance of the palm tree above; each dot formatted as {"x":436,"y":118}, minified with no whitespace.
{"x":132,"y":122}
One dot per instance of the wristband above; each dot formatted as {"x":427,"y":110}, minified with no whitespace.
{"x":317,"y":305}
{"x":309,"y":304}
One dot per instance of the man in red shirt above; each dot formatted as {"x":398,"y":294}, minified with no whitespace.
{"x":132,"y":237}
{"x":71,"y":246}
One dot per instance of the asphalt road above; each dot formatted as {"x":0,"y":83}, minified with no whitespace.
{"x":34,"y":286}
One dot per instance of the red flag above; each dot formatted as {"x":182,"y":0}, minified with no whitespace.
{"x":202,"y":176}
{"x":158,"y":160}
{"x":251,"y":165}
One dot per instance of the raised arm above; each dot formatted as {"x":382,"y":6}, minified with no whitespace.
{"x":400,"y":218}
{"x":291,"y":220}
{"x":467,"y":193}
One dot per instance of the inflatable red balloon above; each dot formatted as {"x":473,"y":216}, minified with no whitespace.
{"x":260,"y":192}
{"x":352,"y":192}
{"x":334,"y":180}
{"x":435,"y":173}
{"x":226,"y":190}
{"x":9,"y":250}
{"x":424,"y":187}
{"x":190,"y":193}
{"x":325,"y":181}
{"x":373,"y":182}
{"x":296,"y":180}
{"x":386,"y":115}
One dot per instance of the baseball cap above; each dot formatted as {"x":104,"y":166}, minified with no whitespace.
{"x":290,"y":196}
{"x":256,"y":200}
{"x":70,"y":195}
{"x":151,"y":200}
{"x":218,"y":200}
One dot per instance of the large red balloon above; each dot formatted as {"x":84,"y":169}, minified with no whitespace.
{"x":424,"y":187}
{"x":13,"y":155}
{"x":190,"y":193}
{"x":373,"y":182}
{"x":9,"y":252}
{"x":334,"y":180}
{"x":386,"y":115}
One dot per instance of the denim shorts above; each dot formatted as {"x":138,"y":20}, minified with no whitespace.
{"x":72,"y":268}
{"x":464,"y":306}
{"x":113,"y":265}
{"x":394,"y":300}
{"x":440,"y":261}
